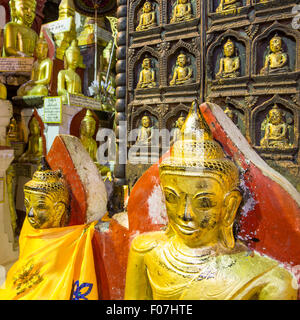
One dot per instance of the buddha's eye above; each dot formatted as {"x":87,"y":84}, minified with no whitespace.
{"x":204,"y":202}
{"x":171,"y":197}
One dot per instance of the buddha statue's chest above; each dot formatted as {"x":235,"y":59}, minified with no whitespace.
{"x":276,"y":59}
{"x":73,"y":81}
{"x":182,"y":72}
{"x":26,"y":40}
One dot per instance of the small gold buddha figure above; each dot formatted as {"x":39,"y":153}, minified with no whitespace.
{"x":41,"y":72}
{"x":13,"y":133}
{"x":229,"y":113}
{"x":228,"y":5}
{"x":35,"y":144}
{"x":183,"y":74}
{"x":68,"y":81}
{"x":19,"y":38}
{"x":276,"y":130}
{"x":147,"y":18}
{"x":145,"y":132}
{"x":47,"y":198}
{"x":197,"y":256}
{"x":277,"y":60}
{"x":3,"y":91}
{"x":182,"y":11}
{"x":230,"y":63}
{"x":63,"y":40}
{"x":147,"y":75}
{"x":178,"y":126}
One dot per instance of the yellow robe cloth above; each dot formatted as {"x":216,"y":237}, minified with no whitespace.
{"x":54,"y":264}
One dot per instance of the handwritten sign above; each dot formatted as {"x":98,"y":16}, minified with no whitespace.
{"x":52,"y":109}
{"x":59,"y":25}
{"x":16,"y":64}
{"x":84,"y":102}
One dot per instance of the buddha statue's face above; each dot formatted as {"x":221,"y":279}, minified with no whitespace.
{"x":182,"y":1}
{"x":41,"y":50}
{"x":146,"y":122}
{"x":43,"y":211}
{"x":146,"y":63}
{"x":276,"y":44}
{"x":275,"y":116}
{"x":25,"y":11}
{"x":181,"y":60}
{"x":87,"y":128}
{"x":194,"y":207}
{"x":147,"y":7}
{"x":229,"y":49}
{"x":73,"y":57}
{"x":180,"y":122}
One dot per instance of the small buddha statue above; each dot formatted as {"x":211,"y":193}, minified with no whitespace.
{"x":229,"y":113}
{"x":68,"y":81}
{"x":182,"y":11}
{"x":147,"y":75}
{"x":277,"y":60}
{"x":178,"y":125}
{"x":276,"y":130}
{"x":41,"y":72}
{"x":230,"y":63}
{"x":13,"y":133}
{"x":228,"y":5}
{"x":145,"y":132}
{"x":19,"y":38}
{"x":183,"y":74}
{"x":147,"y":18}
{"x":197,"y":256}
{"x":64,"y":39}
{"x":35,"y":144}
{"x":3,"y":91}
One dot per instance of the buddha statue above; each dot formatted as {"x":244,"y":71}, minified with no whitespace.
{"x":86,"y":132}
{"x":35,"y":144}
{"x":41,"y":72}
{"x":183,"y":74}
{"x":87,"y":35}
{"x":3,"y":91}
{"x":276,"y":130}
{"x":182,"y":11}
{"x":68,"y":81}
{"x":13,"y":133}
{"x":228,"y":5}
{"x":229,"y":113}
{"x":19,"y":38}
{"x":64,"y":39}
{"x":147,"y":18}
{"x":178,"y":126}
{"x":197,"y":256}
{"x":46,"y":198}
{"x":145,"y":132}
{"x":147,"y":75}
{"x":277,"y":60}
{"x":230,"y":63}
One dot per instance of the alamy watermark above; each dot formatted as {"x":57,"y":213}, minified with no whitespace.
{"x":296,"y":18}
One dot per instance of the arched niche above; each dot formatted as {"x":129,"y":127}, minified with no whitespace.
{"x":236,"y":113}
{"x":154,"y":64}
{"x":259,"y":118}
{"x":214,"y":4}
{"x":136,"y":9}
{"x":290,"y":45}
{"x":169,"y":121}
{"x":215,"y":52}
{"x":195,"y":4}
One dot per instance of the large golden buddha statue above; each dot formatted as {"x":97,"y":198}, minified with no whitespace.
{"x":19,"y":38}
{"x":228,"y":5}
{"x":277,"y":60}
{"x":183,"y":74}
{"x":41,"y":72}
{"x":182,"y":11}
{"x":197,"y":257}
{"x":147,"y":18}
{"x":35,"y":144}
{"x":276,"y":130}
{"x":68,"y":81}
{"x":64,"y":39}
{"x":147,"y":75}
{"x":230,"y":63}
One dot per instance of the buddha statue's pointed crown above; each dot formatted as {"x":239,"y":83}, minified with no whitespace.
{"x":196,"y":152}
{"x":89,"y":117}
{"x":67,"y":6}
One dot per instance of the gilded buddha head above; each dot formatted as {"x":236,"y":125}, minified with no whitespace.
{"x":229,"y":48}
{"x":47,"y":198}
{"x":147,"y":7}
{"x":23,"y":11}
{"x":276,"y":44}
{"x":147,"y":63}
{"x":200,"y":186}
{"x":181,"y":60}
{"x":73,"y":55}
{"x":146,"y":121}
{"x":88,"y":125}
{"x":275,"y":115}
{"x":41,"y":49}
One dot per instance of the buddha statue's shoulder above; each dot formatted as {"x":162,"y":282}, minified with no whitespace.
{"x":148,"y":241}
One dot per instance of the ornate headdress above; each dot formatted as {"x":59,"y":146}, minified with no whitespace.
{"x":197,"y":151}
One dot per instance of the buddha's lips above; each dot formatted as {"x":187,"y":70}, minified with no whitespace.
{"x":186,"y":229}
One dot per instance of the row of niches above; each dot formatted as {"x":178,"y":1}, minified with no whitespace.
{"x":272,"y":126}
{"x":271,"y":53}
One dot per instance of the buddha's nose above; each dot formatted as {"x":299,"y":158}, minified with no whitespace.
{"x":30,"y":213}
{"x":187,"y":215}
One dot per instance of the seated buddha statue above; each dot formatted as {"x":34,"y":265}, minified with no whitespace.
{"x":227,"y":5}
{"x":197,"y":257}
{"x":13,"y":133}
{"x":19,"y":38}
{"x":147,"y":18}
{"x":35,"y":144}
{"x":277,"y":60}
{"x":276,"y":130}
{"x":230,"y":63}
{"x":3,"y":91}
{"x":178,"y":125}
{"x":147,"y":75}
{"x":183,"y":74}
{"x":68,"y":81}
{"x":41,"y":72}
{"x":182,"y":11}
{"x":145,"y":132}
